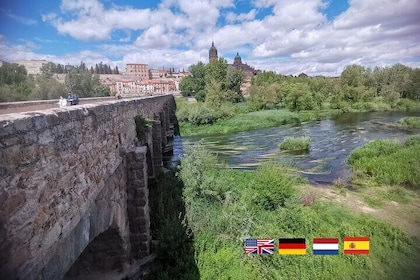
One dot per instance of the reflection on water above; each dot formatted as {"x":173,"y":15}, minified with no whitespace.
{"x":332,"y":141}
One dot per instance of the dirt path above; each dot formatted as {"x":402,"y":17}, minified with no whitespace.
{"x":404,"y":214}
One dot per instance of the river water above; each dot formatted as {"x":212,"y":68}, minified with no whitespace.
{"x":332,"y":141}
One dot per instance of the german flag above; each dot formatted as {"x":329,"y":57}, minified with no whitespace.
{"x":292,"y":246}
{"x":356,"y":245}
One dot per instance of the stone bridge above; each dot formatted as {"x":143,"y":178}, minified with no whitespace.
{"x":74,"y":188}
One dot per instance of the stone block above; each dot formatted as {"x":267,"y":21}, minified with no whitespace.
{"x":24,"y":124}
{"x":7,"y":128}
{"x":140,"y":202}
{"x":132,"y":211}
{"x":15,"y":202}
{"x":45,"y":137}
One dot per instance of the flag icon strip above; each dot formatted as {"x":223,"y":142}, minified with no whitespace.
{"x":259,"y":246}
{"x":292,"y":246}
{"x":325,"y":246}
{"x":356,"y":245}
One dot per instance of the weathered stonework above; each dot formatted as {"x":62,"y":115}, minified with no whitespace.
{"x":68,"y":175}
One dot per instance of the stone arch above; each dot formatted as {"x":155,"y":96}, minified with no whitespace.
{"x":104,"y":255}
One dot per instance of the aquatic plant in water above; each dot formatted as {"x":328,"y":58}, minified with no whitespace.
{"x":295,"y":144}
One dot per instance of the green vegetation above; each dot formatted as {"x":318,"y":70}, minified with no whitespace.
{"x":173,"y":240}
{"x":295,"y":144}
{"x":16,"y":85}
{"x":142,"y":125}
{"x":215,"y":83}
{"x":290,"y":99}
{"x":412,"y":122}
{"x":233,"y":118}
{"x":224,"y":207}
{"x":388,"y":162}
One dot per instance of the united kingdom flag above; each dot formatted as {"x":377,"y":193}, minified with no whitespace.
{"x":259,"y":246}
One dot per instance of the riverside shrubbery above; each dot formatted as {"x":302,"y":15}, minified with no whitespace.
{"x":412,"y":122}
{"x":201,"y":113}
{"x":389,"y":161}
{"x":224,"y":207}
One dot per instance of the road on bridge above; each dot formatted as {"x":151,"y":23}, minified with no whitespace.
{"x":44,"y":106}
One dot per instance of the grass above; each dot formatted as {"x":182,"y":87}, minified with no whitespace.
{"x":230,"y":118}
{"x":254,"y":120}
{"x":411,"y":122}
{"x":388,"y":162}
{"x":224,"y":207}
{"x":295,"y":144}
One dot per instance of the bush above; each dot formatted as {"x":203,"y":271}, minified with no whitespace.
{"x":413,"y":140}
{"x":412,"y":122}
{"x":202,"y":115}
{"x":142,"y":125}
{"x":274,"y":186}
{"x":295,"y":144}
{"x":405,"y":104}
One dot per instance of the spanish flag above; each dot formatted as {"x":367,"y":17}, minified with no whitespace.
{"x":356,"y":245}
{"x":292,"y":246}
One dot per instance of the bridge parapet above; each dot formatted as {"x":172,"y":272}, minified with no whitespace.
{"x":65,"y":180}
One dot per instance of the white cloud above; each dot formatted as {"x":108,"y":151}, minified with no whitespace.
{"x":232,"y":17}
{"x":295,"y":37}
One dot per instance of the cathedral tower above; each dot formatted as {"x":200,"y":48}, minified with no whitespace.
{"x":212,"y":53}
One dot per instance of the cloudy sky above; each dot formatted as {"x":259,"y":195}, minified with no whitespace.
{"x":317,"y":37}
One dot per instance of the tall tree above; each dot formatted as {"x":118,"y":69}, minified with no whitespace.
{"x":195,"y":84}
{"x":216,"y":70}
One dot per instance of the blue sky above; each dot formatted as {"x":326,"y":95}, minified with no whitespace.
{"x":318,"y":37}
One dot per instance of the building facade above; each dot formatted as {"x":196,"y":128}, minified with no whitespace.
{"x":138,"y":70}
{"x":33,"y":67}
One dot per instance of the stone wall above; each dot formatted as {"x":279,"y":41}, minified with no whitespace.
{"x":63,"y":181}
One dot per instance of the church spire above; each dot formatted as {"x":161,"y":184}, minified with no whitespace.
{"x":213,"y":52}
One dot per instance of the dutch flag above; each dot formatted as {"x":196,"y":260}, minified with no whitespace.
{"x":325,"y":246}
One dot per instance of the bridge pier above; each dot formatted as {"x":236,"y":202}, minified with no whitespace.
{"x":138,"y":202}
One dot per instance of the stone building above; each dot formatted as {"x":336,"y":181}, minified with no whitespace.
{"x":213,"y":53}
{"x":237,"y":62}
{"x":137,"y":69}
{"x":33,"y":67}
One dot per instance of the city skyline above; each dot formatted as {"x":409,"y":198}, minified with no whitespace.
{"x":311,"y":36}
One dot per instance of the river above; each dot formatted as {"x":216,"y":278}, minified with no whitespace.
{"x":332,"y":141}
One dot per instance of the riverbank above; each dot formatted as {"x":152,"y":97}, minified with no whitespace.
{"x":254,"y":120}
{"x":238,"y":119}
{"x":223,"y":207}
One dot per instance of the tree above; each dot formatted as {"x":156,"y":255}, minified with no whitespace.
{"x":234,"y":80}
{"x":354,"y":75}
{"x":12,"y":74}
{"x":195,"y":84}
{"x":48,"y":69}
{"x":264,"y":97}
{"x":266,"y":78}
{"x":299,"y":97}
{"x":216,"y":70}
